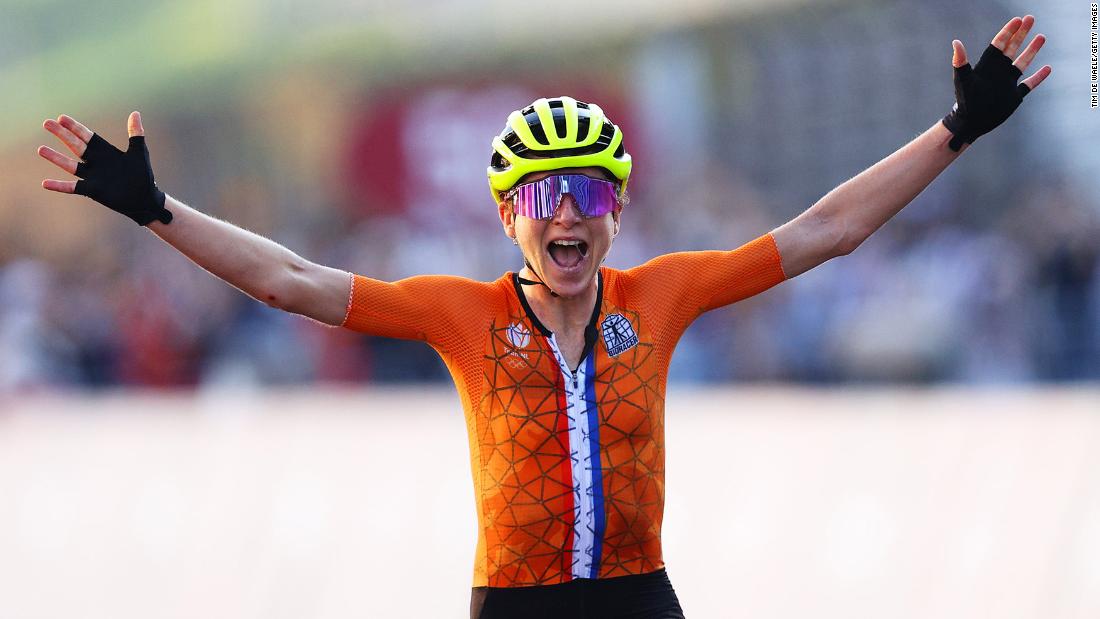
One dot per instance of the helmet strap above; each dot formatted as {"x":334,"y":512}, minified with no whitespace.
{"x":527,"y":282}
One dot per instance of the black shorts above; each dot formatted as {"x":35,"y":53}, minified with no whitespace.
{"x":639,"y":596}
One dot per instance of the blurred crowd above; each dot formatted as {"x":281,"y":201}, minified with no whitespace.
{"x":926,"y":299}
{"x":990,"y":276}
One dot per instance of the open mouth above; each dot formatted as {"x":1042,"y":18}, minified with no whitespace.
{"x":567,"y":254}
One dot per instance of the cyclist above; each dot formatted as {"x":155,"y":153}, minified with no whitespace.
{"x":561,"y":366}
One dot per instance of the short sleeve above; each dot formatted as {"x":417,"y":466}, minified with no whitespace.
{"x":435,"y":309}
{"x":674,"y":289}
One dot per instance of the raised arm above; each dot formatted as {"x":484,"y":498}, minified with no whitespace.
{"x":259,"y":267}
{"x":985,"y":97}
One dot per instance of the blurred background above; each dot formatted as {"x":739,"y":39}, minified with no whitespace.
{"x":357,"y":134}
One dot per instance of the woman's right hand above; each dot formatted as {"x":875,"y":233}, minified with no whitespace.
{"x":121,"y":181}
{"x":260,"y":267}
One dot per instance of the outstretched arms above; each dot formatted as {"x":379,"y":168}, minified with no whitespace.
{"x":841,"y":220}
{"x":257,"y":266}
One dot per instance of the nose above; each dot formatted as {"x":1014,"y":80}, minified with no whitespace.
{"x":567,"y":213}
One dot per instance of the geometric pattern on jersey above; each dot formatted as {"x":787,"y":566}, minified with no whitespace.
{"x":526,"y":488}
{"x":567,"y":463}
{"x":631,"y":408}
{"x":573,"y":459}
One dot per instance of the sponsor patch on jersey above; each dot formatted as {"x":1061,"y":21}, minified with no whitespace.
{"x":618,"y":334}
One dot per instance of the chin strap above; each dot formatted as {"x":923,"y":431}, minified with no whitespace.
{"x":527,"y":282}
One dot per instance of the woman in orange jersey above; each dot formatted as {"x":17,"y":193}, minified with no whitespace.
{"x":561,"y":365}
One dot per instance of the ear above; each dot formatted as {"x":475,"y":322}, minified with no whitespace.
{"x":507,"y":219}
{"x":615,"y":215}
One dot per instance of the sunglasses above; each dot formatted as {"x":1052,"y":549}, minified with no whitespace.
{"x":540,"y":199}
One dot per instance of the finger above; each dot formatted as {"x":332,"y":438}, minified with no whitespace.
{"x":74,"y":143}
{"x":1003,"y":37}
{"x":1024,"y":59}
{"x":59,"y":186}
{"x":65,"y":163}
{"x":958,"y":55}
{"x":1037,"y":77}
{"x":1018,"y":38}
{"x":71,"y":124}
{"x":133,"y":124}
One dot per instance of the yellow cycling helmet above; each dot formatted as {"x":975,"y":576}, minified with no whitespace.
{"x":551,"y":134}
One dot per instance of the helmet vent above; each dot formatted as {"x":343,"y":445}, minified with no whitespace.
{"x":606,"y":134}
{"x":514,"y":144}
{"x":533,"y":121}
{"x":620,"y":151}
{"x":582,"y":125}
{"x":559,"y":122}
{"x":564,"y":152}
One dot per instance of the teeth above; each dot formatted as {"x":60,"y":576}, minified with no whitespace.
{"x":567,"y":243}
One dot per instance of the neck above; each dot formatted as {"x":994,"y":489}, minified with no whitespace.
{"x":561,"y":311}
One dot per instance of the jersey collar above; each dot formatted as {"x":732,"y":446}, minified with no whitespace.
{"x":590,"y":332}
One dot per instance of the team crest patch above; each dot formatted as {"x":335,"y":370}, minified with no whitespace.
{"x":518,"y":335}
{"x":618,"y":334}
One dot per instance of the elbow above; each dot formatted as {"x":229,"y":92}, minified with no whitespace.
{"x":279,"y":290}
{"x":830,"y":235}
{"x":847,"y":239}
{"x":846,"y":246}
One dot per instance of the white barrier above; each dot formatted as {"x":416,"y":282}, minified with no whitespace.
{"x":781,"y":503}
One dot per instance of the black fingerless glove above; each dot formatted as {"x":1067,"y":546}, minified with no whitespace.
{"x":122,"y":181}
{"x":985,"y":97}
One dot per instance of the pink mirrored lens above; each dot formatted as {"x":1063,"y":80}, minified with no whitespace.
{"x":540,"y":199}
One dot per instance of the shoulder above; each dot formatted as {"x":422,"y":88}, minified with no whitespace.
{"x":464,"y":292}
{"x":662,"y":267}
{"x":448,"y":293}
{"x":760,"y":253}
{"x":448,"y":284}
{"x":426,"y":307}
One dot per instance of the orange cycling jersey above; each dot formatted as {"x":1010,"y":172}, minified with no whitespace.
{"x":568,"y":465}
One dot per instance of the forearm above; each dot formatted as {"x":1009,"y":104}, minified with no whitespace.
{"x":257,"y":266}
{"x":864,"y":203}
